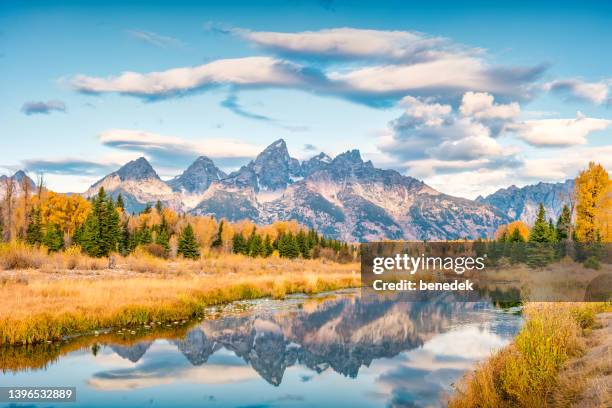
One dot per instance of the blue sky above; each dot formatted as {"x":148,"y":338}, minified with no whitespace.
{"x":468,"y":97}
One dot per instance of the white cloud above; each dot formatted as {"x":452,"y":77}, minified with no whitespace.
{"x":152,"y":38}
{"x":595,"y":92}
{"x":472,"y":182}
{"x":171,"y":148}
{"x":559,"y":167}
{"x":236,"y":71}
{"x":481,"y":105}
{"x":559,"y":132}
{"x":430,"y":114}
{"x":354,"y":43}
{"x":447,"y":77}
{"x":393,"y":64}
{"x":432,"y":131}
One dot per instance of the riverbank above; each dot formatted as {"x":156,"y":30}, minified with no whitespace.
{"x":39,"y":305}
{"x":559,"y":358}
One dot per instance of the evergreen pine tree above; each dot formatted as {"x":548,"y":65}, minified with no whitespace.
{"x":159,"y":207}
{"x":552,"y":230}
{"x":268,"y":248}
{"x":515,"y":236}
{"x":540,"y":251}
{"x":238,"y":244}
{"x":163,"y":236}
{"x":120,"y":203}
{"x":292,"y":248}
{"x":125,"y":242}
{"x":281,"y":245}
{"x":302,"y":241}
{"x":188,"y":245}
{"x":144,"y":235}
{"x":255,"y":245}
{"x":34,"y":234}
{"x":218,"y":241}
{"x":540,"y":231}
{"x":53,"y":238}
{"x":101,"y":231}
{"x":564,"y":224}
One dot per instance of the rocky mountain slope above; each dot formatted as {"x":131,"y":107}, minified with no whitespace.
{"x":343,"y":197}
{"x":523,"y":203}
{"x":19,"y":180}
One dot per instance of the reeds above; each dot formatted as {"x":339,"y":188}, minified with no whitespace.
{"x":66,"y":296}
{"x":524,"y":374}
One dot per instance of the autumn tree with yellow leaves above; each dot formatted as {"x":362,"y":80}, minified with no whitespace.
{"x":593,"y":191}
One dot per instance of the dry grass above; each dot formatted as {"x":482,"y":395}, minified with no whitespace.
{"x":18,"y":255}
{"x":525,"y":374}
{"x":66,"y":296}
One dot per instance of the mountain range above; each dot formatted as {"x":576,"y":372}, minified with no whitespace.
{"x":343,"y":197}
{"x":523,"y":203}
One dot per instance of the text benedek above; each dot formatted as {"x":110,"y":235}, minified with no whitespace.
{"x":456,"y":285}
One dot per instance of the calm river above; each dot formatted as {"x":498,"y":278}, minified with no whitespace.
{"x":332,"y":350}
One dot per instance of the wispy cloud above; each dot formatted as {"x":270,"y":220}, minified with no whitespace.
{"x":351,"y":43}
{"x":231,"y":103}
{"x":41,"y":107}
{"x":391,"y":65}
{"x":155,"y":39}
{"x":173,"y":151}
{"x":71,"y":166}
{"x":594,"y":92}
{"x":238,"y":72}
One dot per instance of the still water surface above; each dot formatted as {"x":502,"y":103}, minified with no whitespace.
{"x":333,"y":350}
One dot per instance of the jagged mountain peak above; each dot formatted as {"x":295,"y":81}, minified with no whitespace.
{"x":18,"y":179}
{"x":272,"y":169}
{"x":350,"y":156}
{"x":198,"y":176}
{"x":315,"y":163}
{"x":139,"y":169}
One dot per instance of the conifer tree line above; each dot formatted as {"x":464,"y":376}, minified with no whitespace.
{"x":302,"y":244}
{"x":584,"y":222}
{"x":100,"y":226}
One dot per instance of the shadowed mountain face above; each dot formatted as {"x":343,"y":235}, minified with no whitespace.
{"x":344,"y":197}
{"x":523,"y":203}
{"x":198,"y":177}
{"x":19,"y":180}
{"x":273,"y":169}
{"x":342,"y":335}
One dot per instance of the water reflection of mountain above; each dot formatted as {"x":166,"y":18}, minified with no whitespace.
{"x":132,"y":353}
{"x":342,"y":334}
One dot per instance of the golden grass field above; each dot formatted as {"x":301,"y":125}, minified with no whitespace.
{"x":69,"y":294}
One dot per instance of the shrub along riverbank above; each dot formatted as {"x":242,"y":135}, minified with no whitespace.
{"x":526,"y":373}
{"x":58,"y":300}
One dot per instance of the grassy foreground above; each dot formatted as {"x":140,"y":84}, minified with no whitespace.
{"x":58,"y":300}
{"x":526,"y":373}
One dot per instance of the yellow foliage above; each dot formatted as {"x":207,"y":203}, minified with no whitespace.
{"x":66,"y":211}
{"x":603,"y":216}
{"x":509,"y":229}
{"x":591,"y":189}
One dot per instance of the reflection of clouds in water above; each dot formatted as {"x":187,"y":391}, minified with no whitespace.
{"x":469,"y":342}
{"x":424,"y":374}
{"x":159,"y":371}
